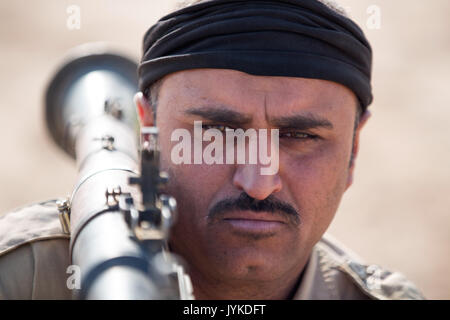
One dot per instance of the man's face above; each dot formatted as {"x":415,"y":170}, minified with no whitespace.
{"x":315,"y":119}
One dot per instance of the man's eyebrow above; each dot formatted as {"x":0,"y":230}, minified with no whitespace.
{"x":301,"y":122}
{"x":220,"y":114}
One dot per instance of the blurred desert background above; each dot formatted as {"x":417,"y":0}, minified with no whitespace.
{"x":397,"y":213}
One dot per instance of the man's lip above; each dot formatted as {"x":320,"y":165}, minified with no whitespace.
{"x":254,"y":216}
{"x":250,"y":226}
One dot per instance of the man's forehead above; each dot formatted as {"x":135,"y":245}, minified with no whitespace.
{"x":248,"y":94}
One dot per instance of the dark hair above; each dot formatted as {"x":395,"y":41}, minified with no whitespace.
{"x":152,"y":93}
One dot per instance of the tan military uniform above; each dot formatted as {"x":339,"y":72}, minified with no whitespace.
{"x":34,"y":257}
{"x":34,"y":254}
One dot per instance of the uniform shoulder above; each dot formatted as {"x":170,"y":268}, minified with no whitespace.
{"x":34,"y":253}
{"x":36,"y":222}
{"x":372,"y":280}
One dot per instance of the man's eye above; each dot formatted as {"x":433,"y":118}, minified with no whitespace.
{"x":219,"y":127}
{"x":298,"y":135}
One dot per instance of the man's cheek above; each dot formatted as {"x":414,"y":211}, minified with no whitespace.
{"x":188,"y":185}
{"x":317,"y":185}
{"x":321,"y":168}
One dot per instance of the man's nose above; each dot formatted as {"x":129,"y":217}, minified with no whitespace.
{"x":248,"y":178}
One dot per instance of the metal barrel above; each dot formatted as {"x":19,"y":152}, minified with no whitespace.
{"x":90,"y":114}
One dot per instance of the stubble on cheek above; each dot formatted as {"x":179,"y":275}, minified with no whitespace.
{"x":317,"y":185}
{"x":327,"y":200}
{"x":185,"y":235}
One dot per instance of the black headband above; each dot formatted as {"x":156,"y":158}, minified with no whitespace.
{"x":291,"y":38}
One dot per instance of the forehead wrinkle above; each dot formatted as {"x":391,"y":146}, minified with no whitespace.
{"x":266,"y":115}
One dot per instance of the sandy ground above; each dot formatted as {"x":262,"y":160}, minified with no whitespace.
{"x":397,"y":212}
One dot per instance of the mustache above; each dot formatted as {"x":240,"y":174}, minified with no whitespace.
{"x":246,"y":203}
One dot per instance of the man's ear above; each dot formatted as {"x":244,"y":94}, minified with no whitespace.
{"x":144,"y":110}
{"x":362,"y":121}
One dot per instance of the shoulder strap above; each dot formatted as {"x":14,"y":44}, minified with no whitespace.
{"x":36,"y":222}
{"x":379,"y":283}
{"x":375,"y":281}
